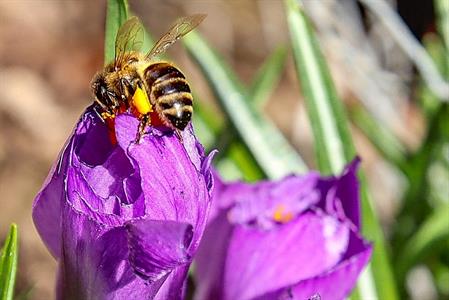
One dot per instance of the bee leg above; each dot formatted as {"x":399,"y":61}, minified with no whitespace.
{"x":99,"y":114}
{"x":113,"y":99}
{"x":179,"y":135}
{"x":126,"y":88}
{"x":144,"y":121}
{"x":139,"y":84}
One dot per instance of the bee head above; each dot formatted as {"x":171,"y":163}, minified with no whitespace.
{"x":103,"y":96}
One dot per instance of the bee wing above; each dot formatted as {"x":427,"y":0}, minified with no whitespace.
{"x":129,"y":38}
{"x":180,"y":28}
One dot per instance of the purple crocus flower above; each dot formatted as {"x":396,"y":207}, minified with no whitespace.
{"x":297,"y":238}
{"x":124,"y":219}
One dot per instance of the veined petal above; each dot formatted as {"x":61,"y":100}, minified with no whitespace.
{"x":335,"y":283}
{"x":94,"y":262}
{"x":211,"y":257}
{"x":283,"y":240}
{"x":157,"y":247}
{"x":173,"y":186}
{"x":82,"y":198}
{"x":174,"y":286}
{"x":343,"y":194}
{"x":338,"y":282}
{"x":282,"y":256}
{"x":47,"y":210}
{"x":48,"y":203}
{"x":262,"y":201}
{"x":124,"y":219}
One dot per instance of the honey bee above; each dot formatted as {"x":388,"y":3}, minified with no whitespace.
{"x":134,"y":82}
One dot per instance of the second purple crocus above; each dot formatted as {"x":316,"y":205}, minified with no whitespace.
{"x":297,"y":238}
{"x":124,"y":220}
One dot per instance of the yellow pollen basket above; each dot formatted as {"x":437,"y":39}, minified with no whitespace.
{"x":281,"y":215}
{"x":106,"y":115}
{"x":141,"y":102}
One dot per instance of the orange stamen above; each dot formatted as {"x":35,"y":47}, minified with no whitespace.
{"x":281,"y":215}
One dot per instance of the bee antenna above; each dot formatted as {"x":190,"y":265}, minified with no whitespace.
{"x":98,"y":113}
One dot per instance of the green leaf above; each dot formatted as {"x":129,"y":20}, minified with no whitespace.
{"x":384,"y":140}
{"x":434,"y":231}
{"x":267,"y":77}
{"x":442,"y":9}
{"x":333,"y":144}
{"x":421,"y":161}
{"x":229,"y":170}
{"x":203,"y":131}
{"x":116,"y":15}
{"x":333,"y":141}
{"x":209,"y":116}
{"x":435,"y":47}
{"x":8,"y":264}
{"x":243,"y":159}
{"x":272,"y":152}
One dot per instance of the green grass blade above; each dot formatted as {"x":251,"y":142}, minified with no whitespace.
{"x":420,"y":163}
{"x":209,"y":116}
{"x":434,"y":45}
{"x":243,"y":159}
{"x":442,"y":9}
{"x":228,"y":170}
{"x":116,"y":15}
{"x":267,"y":77}
{"x":333,"y":142}
{"x":203,"y":130}
{"x":270,"y":149}
{"x":334,"y":146}
{"x":433,"y":231}
{"x":8,"y":264}
{"x":381,"y":138}
{"x":231,"y":148}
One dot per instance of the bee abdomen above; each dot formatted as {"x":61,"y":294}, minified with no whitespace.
{"x":169,"y":86}
{"x":170,"y":93}
{"x":176,"y":108}
{"x":161,"y":72}
{"x":178,"y":117}
{"x":172,"y":100}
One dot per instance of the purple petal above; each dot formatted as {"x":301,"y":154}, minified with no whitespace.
{"x":174,"y":286}
{"x":81,"y":198}
{"x":92,"y":145}
{"x":157,"y":247}
{"x":260,"y":202}
{"x":343,"y":194}
{"x":160,"y":188}
{"x":173,"y":187}
{"x":220,"y":203}
{"x":338,"y":282}
{"x":94,"y":262}
{"x":194,"y":149}
{"x":107,"y":179}
{"x":211,"y":257}
{"x":48,"y":202}
{"x":250,"y":250}
{"x":348,"y":191}
{"x":335,"y":283}
{"x":282,"y":256}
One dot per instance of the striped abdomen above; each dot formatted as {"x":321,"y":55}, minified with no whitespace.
{"x":170,"y":94}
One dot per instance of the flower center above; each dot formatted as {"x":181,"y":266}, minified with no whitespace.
{"x":281,"y":214}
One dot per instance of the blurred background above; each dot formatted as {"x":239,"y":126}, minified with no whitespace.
{"x":50,"y":50}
